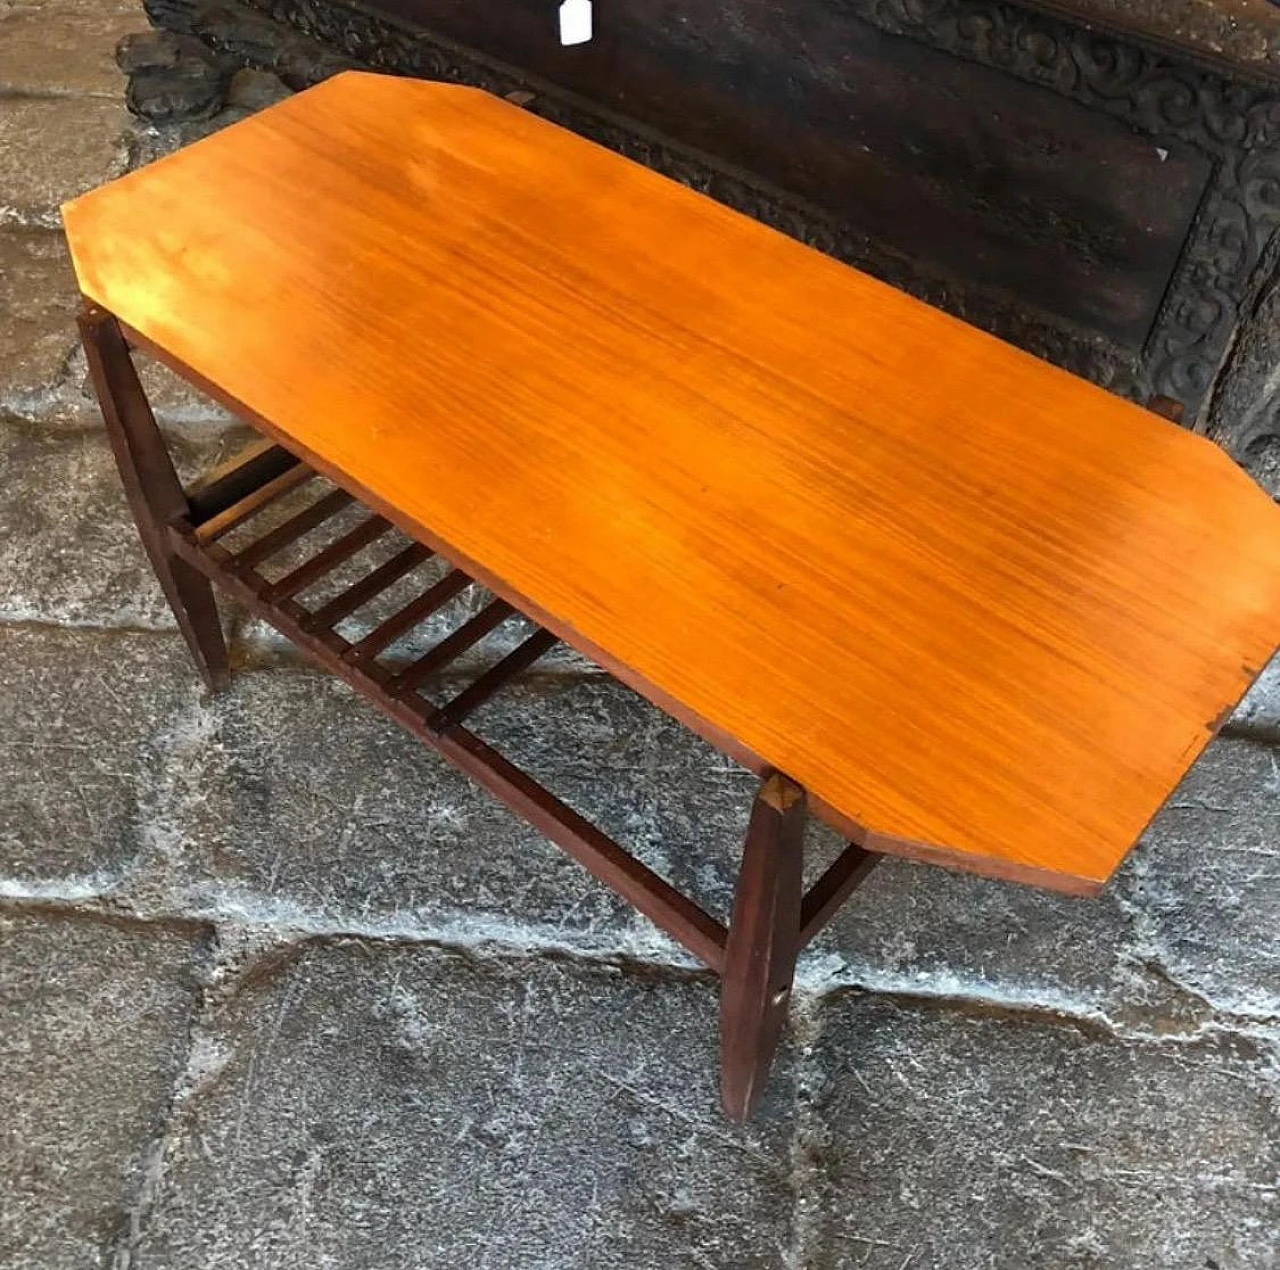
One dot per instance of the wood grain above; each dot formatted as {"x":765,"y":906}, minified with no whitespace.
{"x":976,"y":606}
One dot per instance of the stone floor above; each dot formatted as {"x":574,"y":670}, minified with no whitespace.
{"x":277,"y":989}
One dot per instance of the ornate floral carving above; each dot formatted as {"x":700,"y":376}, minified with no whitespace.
{"x":1237,"y":125}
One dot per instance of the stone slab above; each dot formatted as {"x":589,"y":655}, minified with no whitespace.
{"x":1206,"y":887}
{"x":1196,"y":907}
{"x":94,"y":1020}
{"x":372,"y":1106}
{"x":177,"y":404}
{"x":69,"y":552}
{"x":1259,"y":712}
{"x":940,"y":1137}
{"x":181,"y":409}
{"x":37,"y":318}
{"x":299,"y":802}
{"x":917,"y":928}
{"x":84,"y":723}
{"x":64,"y":47}
{"x":53,"y":148}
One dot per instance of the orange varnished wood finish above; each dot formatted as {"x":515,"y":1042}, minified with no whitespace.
{"x":972,"y":604}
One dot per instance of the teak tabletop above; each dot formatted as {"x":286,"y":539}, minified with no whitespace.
{"x":983,"y":612}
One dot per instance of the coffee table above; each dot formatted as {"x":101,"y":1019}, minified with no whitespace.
{"x":959,"y":604}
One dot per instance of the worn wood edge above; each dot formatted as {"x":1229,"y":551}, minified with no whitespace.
{"x":1212,"y":729}
{"x":780,"y":792}
{"x":994,"y":867}
{"x":1220,"y":456}
{"x":1067,"y":883}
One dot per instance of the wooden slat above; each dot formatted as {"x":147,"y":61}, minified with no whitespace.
{"x":310,"y":572}
{"x":368,"y":588}
{"x":823,"y":899}
{"x":520,"y":658}
{"x":294,"y":528}
{"x":257,"y":465}
{"x":435,"y":597}
{"x":248,"y":453}
{"x":250,"y":504}
{"x":467,"y":635}
{"x":666,"y":907}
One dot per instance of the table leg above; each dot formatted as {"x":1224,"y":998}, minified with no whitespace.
{"x":154,"y":492}
{"x":763,"y":942}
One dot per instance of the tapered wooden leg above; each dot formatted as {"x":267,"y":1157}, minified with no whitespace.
{"x":763,"y":942}
{"x":152,"y":487}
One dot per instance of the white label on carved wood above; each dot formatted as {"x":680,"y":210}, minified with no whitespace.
{"x":575,"y":21}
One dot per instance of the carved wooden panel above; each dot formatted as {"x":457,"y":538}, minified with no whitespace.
{"x":1103,"y":204}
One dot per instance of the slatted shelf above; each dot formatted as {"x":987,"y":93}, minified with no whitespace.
{"x":238,"y":497}
{"x":466,"y":636}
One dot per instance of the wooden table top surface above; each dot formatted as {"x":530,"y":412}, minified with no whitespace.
{"x":978,"y":607}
